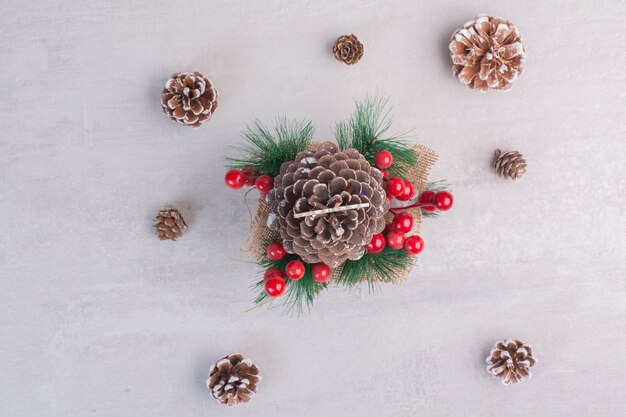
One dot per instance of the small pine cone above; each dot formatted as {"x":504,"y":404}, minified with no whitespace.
{"x":487,"y":53}
{"x":511,"y":360}
{"x":169,"y":224}
{"x":327,"y":178}
{"x":189,"y":98}
{"x":233,"y":380}
{"x":348,"y":49}
{"x":509,"y":164}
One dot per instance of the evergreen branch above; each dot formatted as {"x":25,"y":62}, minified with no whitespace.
{"x":364,"y":131}
{"x":375,"y":268}
{"x":267,"y":149}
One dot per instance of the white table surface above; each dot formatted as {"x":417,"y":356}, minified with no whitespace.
{"x":99,"y":318}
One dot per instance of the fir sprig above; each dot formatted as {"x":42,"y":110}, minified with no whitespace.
{"x":375,"y":268}
{"x":267,"y":149}
{"x":364,"y":131}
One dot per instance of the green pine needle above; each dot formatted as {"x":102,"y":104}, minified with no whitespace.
{"x":375,"y":268}
{"x":267,"y":149}
{"x":364,"y":131}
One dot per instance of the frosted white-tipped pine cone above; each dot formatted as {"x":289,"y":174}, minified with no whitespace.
{"x":487,"y":53}
{"x":511,"y":360}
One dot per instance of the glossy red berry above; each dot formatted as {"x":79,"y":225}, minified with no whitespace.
{"x":276,"y":251}
{"x":428,"y":208}
{"x":403,"y":223}
{"x":264,"y":183}
{"x":413,"y":245}
{"x":377,"y":244}
{"x":295,"y":270}
{"x":234,"y":179}
{"x":385,"y":174}
{"x":275,"y":286}
{"x":395,"y":186}
{"x":383,"y":159}
{"x":395,"y":240}
{"x":320,"y":272}
{"x":273,"y":273}
{"x":407,"y":192}
{"x":443,"y":200}
{"x":427,"y":197}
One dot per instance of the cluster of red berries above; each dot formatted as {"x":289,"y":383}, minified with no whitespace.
{"x":396,"y":237}
{"x":396,"y":187}
{"x":274,"y":278}
{"x":237,"y":178}
{"x":430,"y":201}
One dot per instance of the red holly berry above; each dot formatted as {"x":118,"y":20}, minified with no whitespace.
{"x":429,"y":208}
{"x":414,"y":245}
{"x":295,"y":270}
{"x":385,"y":174}
{"x":275,"y":286}
{"x":395,"y":186}
{"x":320,"y":272}
{"x":264,"y":183}
{"x":276,"y":251}
{"x":377,"y":244}
{"x":403,"y":223}
{"x":407,"y":192}
{"x":443,"y":200}
{"x":395,"y":240}
{"x":383,"y":159}
{"x":273,"y":273}
{"x":427,"y":197}
{"x":234,"y":179}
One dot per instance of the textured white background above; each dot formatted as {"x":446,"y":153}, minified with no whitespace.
{"x":98,"y":317}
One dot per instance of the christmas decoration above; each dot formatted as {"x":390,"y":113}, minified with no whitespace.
{"x":234,"y":179}
{"x":443,"y":200}
{"x":276,"y":251}
{"x":320,"y":272}
{"x":511,"y":360}
{"x":509,"y":164}
{"x":348,"y":49}
{"x":233,"y":380}
{"x":377,"y":244}
{"x":383,"y":160}
{"x":264,"y":183}
{"x":331,"y":208}
{"x":295,"y":270}
{"x":395,"y":240}
{"x":189,"y":98}
{"x":169,"y":224}
{"x":487,"y":53}
{"x":413,"y":245}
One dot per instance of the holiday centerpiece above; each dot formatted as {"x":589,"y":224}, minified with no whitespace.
{"x":343,"y":213}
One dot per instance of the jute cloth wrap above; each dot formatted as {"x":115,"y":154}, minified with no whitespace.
{"x":417,"y":175}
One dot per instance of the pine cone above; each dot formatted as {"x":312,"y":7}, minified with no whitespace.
{"x":233,"y":380}
{"x":327,"y":178}
{"x":348,"y":49}
{"x":509,"y":164}
{"x":487,"y":53}
{"x":189,"y":98}
{"x":511,"y":360}
{"x":169,"y":224}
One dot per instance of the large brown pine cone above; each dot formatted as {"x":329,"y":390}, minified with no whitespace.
{"x":348,"y":49}
{"x":326,"y":178}
{"x":511,"y":360}
{"x":233,"y":380}
{"x":189,"y":98}
{"x":487,"y":53}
